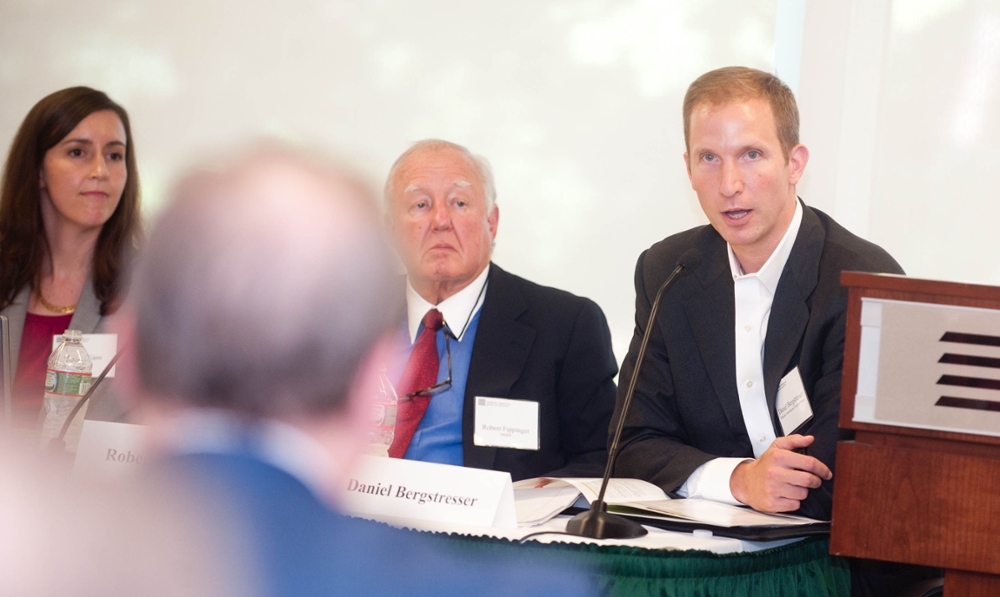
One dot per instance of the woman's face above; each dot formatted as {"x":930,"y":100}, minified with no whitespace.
{"x":83,"y":175}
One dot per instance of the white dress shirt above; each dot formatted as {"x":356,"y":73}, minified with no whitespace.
{"x":754,"y":295}
{"x":457,"y":310}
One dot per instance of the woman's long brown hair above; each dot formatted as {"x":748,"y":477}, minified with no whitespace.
{"x":23,"y":244}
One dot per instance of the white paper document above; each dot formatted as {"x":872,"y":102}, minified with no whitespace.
{"x":538,"y":505}
{"x":620,"y":491}
{"x":719,"y":514}
{"x":538,"y":500}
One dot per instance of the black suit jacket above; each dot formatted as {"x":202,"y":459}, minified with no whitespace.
{"x":686,"y":409}
{"x":547,"y":345}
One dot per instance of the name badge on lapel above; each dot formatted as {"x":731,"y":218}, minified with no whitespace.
{"x":100,"y":347}
{"x":793,"y":405}
{"x":502,"y":423}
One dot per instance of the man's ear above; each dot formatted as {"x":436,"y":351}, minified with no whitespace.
{"x":493,"y":220}
{"x":798,"y":157}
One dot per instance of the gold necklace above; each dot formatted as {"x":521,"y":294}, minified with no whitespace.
{"x":53,"y":308}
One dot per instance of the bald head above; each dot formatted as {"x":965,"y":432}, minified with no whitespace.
{"x":264,"y":285}
{"x":476,"y":163}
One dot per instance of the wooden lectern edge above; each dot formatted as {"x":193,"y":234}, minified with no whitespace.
{"x":916,"y":495}
{"x":920,"y":286}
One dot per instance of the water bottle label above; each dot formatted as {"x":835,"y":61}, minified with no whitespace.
{"x":384,"y":415}
{"x":378,"y":414}
{"x":67,"y":384}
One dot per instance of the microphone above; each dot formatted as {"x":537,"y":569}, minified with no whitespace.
{"x":598,"y":523}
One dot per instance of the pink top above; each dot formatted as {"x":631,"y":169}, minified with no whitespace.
{"x":32,"y":362}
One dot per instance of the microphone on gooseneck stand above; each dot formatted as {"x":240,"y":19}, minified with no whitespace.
{"x":598,"y":523}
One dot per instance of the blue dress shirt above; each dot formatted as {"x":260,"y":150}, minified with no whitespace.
{"x":439,"y":436}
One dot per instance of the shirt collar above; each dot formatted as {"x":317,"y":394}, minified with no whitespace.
{"x":770,"y":273}
{"x":214,"y":431}
{"x":457,"y":309}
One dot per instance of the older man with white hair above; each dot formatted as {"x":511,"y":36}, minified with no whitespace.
{"x":260,"y":311}
{"x":489,"y":350}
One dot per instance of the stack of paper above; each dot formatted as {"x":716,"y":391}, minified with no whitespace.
{"x":538,"y":500}
{"x":539,"y":505}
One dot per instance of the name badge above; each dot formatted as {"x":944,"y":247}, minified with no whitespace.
{"x":502,"y":423}
{"x":100,"y":347}
{"x":793,"y":405}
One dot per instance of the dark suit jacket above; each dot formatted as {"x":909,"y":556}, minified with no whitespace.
{"x":547,"y":345}
{"x":686,"y":408}
{"x":294,"y":545}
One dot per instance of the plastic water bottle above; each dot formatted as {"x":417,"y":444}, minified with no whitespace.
{"x":66,"y":381}
{"x":383,"y":418}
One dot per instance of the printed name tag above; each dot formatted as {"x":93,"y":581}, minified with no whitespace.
{"x":793,"y":403}
{"x":100,"y":347}
{"x":405,"y":492}
{"x":109,"y":448}
{"x":503,"y":423}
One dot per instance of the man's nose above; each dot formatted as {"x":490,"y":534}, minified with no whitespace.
{"x":440,"y":216}
{"x":732,"y":179}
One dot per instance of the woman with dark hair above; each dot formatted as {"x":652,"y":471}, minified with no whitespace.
{"x":69,"y":226}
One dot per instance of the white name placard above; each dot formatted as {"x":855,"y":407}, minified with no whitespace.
{"x":100,"y":347}
{"x":398,"y":491}
{"x":109,"y":448}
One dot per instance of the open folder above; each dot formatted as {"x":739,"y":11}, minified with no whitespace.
{"x":538,"y":500}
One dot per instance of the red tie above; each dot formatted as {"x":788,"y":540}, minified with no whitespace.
{"x":421,"y":372}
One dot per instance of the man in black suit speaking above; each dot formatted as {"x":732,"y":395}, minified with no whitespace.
{"x":475,"y":332}
{"x":739,"y":398}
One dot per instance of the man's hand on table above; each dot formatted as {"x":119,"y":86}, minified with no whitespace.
{"x":780,"y":479}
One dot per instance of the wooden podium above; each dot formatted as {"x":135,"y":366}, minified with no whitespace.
{"x":920,"y":483}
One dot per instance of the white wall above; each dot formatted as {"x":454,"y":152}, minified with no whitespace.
{"x":901,"y":109}
{"x":576,"y":104}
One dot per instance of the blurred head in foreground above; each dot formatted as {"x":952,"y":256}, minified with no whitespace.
{"x":264,"y":291}
{"x":259,"y":310}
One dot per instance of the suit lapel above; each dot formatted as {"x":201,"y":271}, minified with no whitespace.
{"x":711,"y":315}
{"x":790,"y":310}
{"x":15,"y":313}
{"x":499,"y":354}
{"x":88,"y":310}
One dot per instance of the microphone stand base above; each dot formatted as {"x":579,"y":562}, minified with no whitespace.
{"x":597,"y":524}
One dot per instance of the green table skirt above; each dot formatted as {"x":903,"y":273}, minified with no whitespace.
{"x":801,"y":569}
